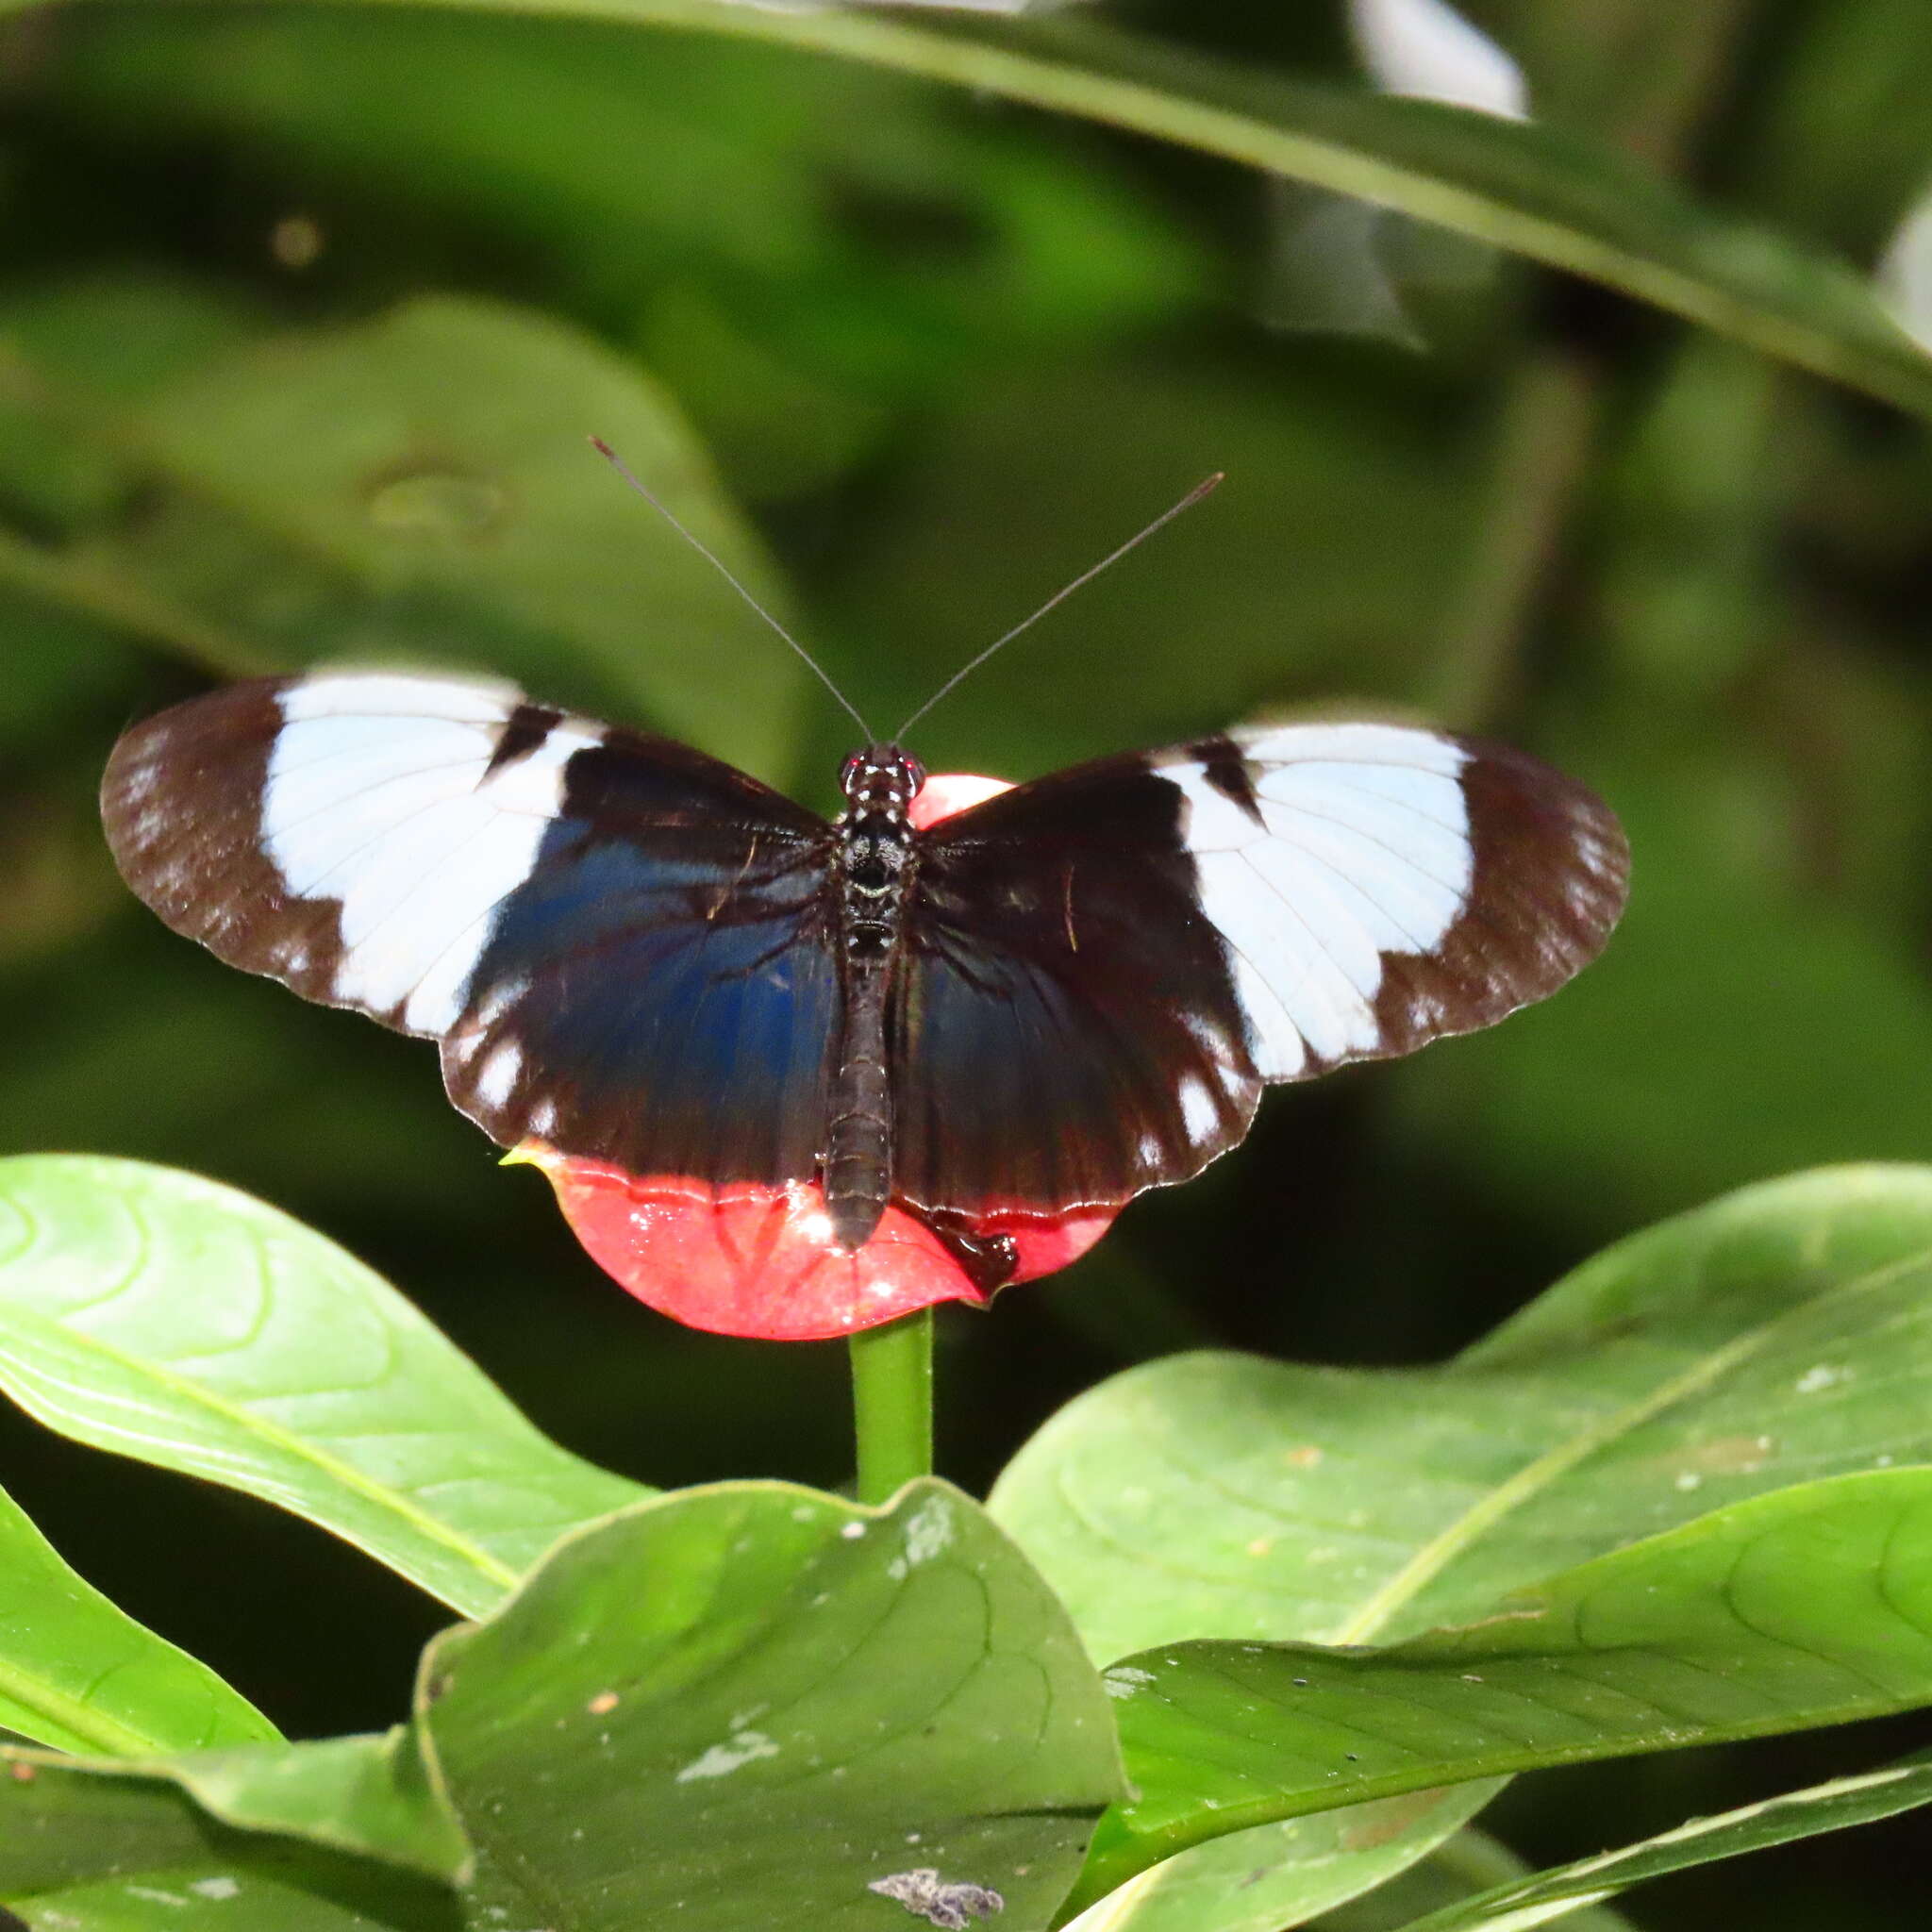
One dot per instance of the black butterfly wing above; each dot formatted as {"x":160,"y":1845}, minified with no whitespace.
{"x":619,"y":942}
{"x":1064,"y":1029}
{"x":1104,"y":967}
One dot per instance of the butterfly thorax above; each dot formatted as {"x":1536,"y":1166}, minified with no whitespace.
{"x":875,"y":867}
{"x":875,"y":848}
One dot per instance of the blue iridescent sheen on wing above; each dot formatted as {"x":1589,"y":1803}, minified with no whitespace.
{"x":673,"y":1012}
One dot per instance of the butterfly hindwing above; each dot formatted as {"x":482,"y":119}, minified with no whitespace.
{"x":1104,"y":967}
{"x":1065,"y":1029}
{"x":619,"y":942}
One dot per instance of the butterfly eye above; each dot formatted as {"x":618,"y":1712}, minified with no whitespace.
{"x":915,"y":774}
{"x":849,"y":770}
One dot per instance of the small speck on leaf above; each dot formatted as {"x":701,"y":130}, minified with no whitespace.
{"x":603,"y":1703}
{"x":721,"y":1760}
{"x":926,"y":1895}
{"x":1815,"y":1381}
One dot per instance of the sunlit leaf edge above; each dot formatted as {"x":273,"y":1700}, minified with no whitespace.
{"x":46,"y":1593}
{"x":1538,"y":193}
{"x":1845,"y":1803}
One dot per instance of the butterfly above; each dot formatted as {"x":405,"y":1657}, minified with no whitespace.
{"x":636,"y":955}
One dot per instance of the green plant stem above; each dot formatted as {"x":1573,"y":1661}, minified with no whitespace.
{"x":891,"y":1405}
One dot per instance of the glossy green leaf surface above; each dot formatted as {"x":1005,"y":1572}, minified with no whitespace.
{"x":170,"y":1319}
{"x":749,"y":1703}
{"x":1282,"y":1873}
{"x":1777,"y":1335}
{"x":83,"y":1852}
{"x":1543,"y":1897}
{"x":1811,"y":1606}
{"x":370,"y":1796}
{"x":79,"y":1674}
{"x":1521,"y":187}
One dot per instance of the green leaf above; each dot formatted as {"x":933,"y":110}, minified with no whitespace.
{"x":1778,"y":1334}
{"x":1810,"y":1606}
{"x":1524,"y":188}
{"x":368,"y":1795}
{"x":79,"y":1674}
{"x":175,"y":1321}
{"x":1222,"y":1495}
{"x":432,"y":467}
{"x":1546,"y":1896}
{"x":419,"y":487}
{"x":83,"y":1849}
{"x":372,"y":1796}
{"x":1281,"y":1874}
{"x":745,"y":1705}
{"x":1470,"y":1862}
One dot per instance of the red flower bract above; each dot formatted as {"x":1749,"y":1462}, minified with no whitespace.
{"x":758,"y":1261}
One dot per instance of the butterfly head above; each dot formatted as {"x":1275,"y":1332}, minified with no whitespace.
{"x":881,"y":778}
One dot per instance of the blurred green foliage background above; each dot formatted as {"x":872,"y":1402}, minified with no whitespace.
{"x":305,"y":315}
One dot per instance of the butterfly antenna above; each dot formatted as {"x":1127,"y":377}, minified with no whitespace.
{"x":717,"y":563}
{"x":958,"y":677}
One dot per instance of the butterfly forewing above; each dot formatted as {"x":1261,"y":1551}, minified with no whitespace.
{"x":662,"y":992}
{"x":1105,"y":966}
{"x":1380,"y":886}
{"x":619,"y":942}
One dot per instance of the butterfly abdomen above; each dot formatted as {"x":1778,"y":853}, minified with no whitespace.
{"x":859,"y":1131}
{"x":875,"y":855}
